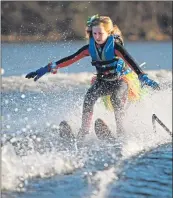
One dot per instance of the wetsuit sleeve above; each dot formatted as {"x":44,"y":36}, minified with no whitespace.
{"x":81,"y":53}
{"x":122,"y":52}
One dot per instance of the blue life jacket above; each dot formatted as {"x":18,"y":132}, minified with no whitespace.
{"x":106,"y":62}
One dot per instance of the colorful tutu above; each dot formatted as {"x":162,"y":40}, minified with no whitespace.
{"x":135,"y":91}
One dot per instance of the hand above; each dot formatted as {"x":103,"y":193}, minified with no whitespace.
{"x":146,"y":81}
{"x":51,"y":67}
{"x":38,"y":73}
{"x":119,"y":68}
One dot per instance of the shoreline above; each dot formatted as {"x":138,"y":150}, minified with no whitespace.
{"x":56,"y":37}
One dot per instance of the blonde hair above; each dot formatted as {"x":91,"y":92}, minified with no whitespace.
{"x":106,"y":22}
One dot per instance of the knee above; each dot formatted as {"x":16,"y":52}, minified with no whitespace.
{"x":118,"y":104}
{"x":116,"y":101}
{"x":89,"y":101}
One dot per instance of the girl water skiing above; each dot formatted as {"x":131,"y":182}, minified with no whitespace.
{"x":108,"y":57}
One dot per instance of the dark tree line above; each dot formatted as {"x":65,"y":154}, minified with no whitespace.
{"x":140,"y":19}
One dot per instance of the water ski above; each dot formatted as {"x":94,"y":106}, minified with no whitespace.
{"x":65,"y":131}
{"x":102,"y":130}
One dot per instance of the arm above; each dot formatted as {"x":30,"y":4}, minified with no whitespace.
{"x":81,"y":53}
{"x":52,"y":67}
{"x":121,"y":52}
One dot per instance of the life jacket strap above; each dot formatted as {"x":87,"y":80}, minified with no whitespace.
{"x":108,"y":77}
{"x":102,"y":70}
{"x":101,"y":63}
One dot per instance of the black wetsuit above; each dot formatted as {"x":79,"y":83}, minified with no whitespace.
{"x":117,"y":89}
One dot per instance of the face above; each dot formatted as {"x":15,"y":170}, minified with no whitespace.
{"x":99,"y":34}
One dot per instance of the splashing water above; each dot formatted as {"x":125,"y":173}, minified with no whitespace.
{"x":31,"y":147}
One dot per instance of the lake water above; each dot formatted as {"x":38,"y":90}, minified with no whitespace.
{"x":35,"y":161}
{"x":18,"y":59}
